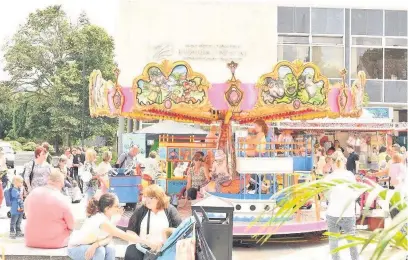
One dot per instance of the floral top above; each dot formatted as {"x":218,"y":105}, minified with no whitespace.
{"x":198,"y":180}
{"x":91,"y":167}
{"x":41,"y":172}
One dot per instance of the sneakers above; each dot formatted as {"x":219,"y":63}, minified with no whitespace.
{"x":16,"y":235}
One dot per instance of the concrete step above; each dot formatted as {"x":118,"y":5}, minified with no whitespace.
{"x":30,"y":257}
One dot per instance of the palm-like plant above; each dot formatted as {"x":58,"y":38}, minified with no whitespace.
{"x":394,"y":234}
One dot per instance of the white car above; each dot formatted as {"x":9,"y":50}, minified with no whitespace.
{"x":9,"y":154}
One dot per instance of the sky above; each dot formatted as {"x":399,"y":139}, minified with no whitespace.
{"x":14,"y":13}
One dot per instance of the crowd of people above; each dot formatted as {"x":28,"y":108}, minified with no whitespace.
{"x":334,"y":165}
{"x":44,"y":193}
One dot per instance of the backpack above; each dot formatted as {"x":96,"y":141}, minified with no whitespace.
{"x":7,"y":196}
{"x":31,"y":174}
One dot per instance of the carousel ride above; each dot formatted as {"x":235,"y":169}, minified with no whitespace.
{"x":292,"y":90}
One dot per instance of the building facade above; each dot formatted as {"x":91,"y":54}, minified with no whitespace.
{"x":356,"y":35}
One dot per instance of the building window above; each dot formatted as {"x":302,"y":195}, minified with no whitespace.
{"x":293,"y":52}
{"x":330,"y":60}
{"x":396,"y":23}
{"x":293,"y":20}
{"x":369,"y":60}
{"x":395,"y":64}
{"x":374,"y":90}
{"x":379,"y":46}
{"x":367,"y":22}
{"x":318,"y":38}
{"x":395,"y":91}
{"x":327,"y":21}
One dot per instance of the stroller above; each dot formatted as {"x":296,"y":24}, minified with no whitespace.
{"x":184,"y":230}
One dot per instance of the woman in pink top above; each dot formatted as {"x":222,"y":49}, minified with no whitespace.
{"x":49,"y":217}
{"x":397,"y":171}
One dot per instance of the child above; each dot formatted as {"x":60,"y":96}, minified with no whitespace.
{"x":76,"y":194}
{"x":17,"y":207}
{"x":167,"y":232}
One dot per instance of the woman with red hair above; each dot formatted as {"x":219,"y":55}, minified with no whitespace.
{"x":36,"y":172}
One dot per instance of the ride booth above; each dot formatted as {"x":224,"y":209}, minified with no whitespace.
{"x":291,"y":90}
{"x":126,"y":182}
{"x":176,"y":153}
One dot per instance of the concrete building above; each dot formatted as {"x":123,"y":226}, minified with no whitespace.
{"x":356,"y":35}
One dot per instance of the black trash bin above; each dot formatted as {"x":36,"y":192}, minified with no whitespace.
{"x":217,"y":224}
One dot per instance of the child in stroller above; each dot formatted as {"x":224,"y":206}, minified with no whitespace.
{"x":183,"y":231}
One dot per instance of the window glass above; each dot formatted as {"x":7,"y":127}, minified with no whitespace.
{"x":367,"y":22}
{"x":293,"y":20}
{"x":369,"y":60}
{"x":395,"y":91}
{"x":395,"y":65}
{"x":327,"y":40}
{"x":396,"y":42}
{"x":369,"y":41}
{"x":293,"y":52}
{"x":330,"y":60}
{"x":396,"y":23}
{"x":327,"y":21}
{"x":293,"y":39}
{"x":374,"y":90}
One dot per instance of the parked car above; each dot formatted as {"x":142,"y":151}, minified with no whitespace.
{"x":9,"y":153}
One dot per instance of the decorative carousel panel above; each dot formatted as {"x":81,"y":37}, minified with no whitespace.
{"x":98,"y":94}
{"x":291,"y":87}
{"x":172,"y":89}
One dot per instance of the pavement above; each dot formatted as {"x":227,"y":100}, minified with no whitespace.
{"x":276,"y":250}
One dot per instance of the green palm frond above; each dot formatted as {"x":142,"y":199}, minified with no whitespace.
{"x":291,"y":199}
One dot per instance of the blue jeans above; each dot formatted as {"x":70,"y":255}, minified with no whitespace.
{"x":15,"y":223}
{"x":101,"y":253}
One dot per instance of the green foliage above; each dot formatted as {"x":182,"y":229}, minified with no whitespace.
{"x":366,"y":99}
{"x":49,"y":60}
{"x":297,"y":195}
{"x":21,"y":140}
{"x":17,"y":147}
{"x":30,"y":146}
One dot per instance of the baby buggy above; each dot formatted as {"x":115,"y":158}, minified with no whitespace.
{"x":184,"y":230}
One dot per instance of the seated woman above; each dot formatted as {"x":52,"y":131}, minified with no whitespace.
{"x":151,"y":219}
{"x":93,"y":239}
{"x":219,"y":172}
{"x":256,"y":142}
{"x":197,"y":176}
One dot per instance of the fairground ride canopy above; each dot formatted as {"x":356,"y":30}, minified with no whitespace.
{"x":174,"y":91}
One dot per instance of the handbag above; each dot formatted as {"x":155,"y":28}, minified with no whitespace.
{"x":185,"y":248}
{"x":85,"y":175}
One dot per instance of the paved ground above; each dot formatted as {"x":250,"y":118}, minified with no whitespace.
{"x":276,"y":250}
{"x":284,"y":250}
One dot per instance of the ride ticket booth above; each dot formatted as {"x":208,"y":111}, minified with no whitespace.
{"x":176,"y":152}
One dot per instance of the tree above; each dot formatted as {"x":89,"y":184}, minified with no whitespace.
{"x":6,"y":109}
{"x":49,"y":60}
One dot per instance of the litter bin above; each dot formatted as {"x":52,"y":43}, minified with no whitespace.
{"x":217,"y":224}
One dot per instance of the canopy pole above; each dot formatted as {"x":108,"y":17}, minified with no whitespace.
{"x":121,"y":129}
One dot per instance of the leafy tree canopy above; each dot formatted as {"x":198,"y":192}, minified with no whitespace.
{"x":49,"y":60}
